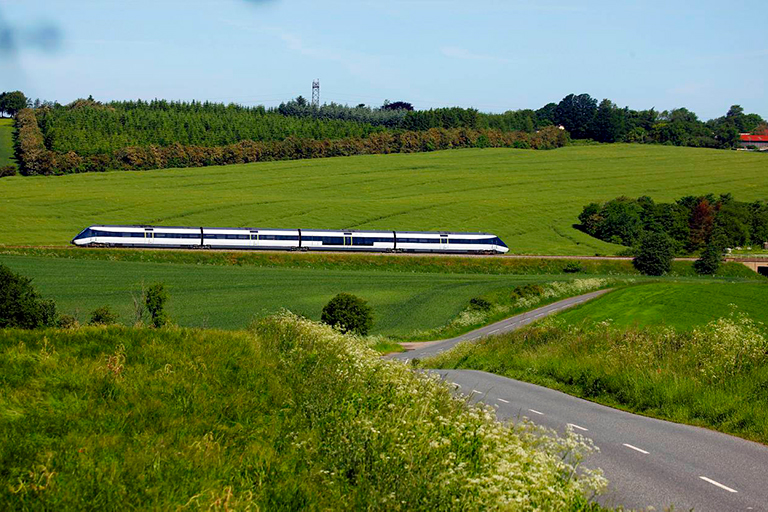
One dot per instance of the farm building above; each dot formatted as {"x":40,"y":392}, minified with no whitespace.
{"x":747,"y":140}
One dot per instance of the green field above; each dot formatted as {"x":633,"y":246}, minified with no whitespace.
{"x":679,"y":305}
{"x":232,"y":296}
{"x":6,"y":142}
{"x":529,"y":198}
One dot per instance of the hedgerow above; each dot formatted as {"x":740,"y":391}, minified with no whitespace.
{"x":36,"y":158}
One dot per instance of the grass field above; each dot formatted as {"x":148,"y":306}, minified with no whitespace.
{"x":6,"y":142}
{"x":230,"y":297}
{"x":679,"y":305}
{"x":529,"y":198}
{"x":220,"y":290}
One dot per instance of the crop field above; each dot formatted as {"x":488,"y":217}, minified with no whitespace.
{"x":231,"y":297}
{"x":531,"y":199}
{"x":679,"y":305}
{"x":6,"y":142}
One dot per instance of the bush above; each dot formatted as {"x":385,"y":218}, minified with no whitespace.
{"x":21,"y":305}
{"x":655,"y":254}
{"x":7,"y":170}
{"x":103,"y":316}
{"x":709,"y":261}
{"x":573,"y":267}
{"x":479,"y":304}
{"x":67,"y":322}
{"x":348,"y":313}
{"x":155,"y":298}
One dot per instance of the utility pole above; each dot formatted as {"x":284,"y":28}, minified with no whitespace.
{"x":316,"y":93}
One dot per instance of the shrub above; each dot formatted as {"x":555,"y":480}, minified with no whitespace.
{"x":103,"y":316}
{"x":709,"y":261}
{"x":655,"y":254}
{"x":573,"y":267}
{"x":21,"y":305}
{"x":7,"y":170}
{"x":479,"y":304}
{"x":155,"y":298}
{"x":67,"y":322}
{"x":348,"y":313}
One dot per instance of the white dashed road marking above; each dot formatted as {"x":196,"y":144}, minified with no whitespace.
{"x":502,"y":400}
{"x":636,"y":448}
{"x":534,"y":411}
{"x":578,"y":427}
{"x":718,"y":484}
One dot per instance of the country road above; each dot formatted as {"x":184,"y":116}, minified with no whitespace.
{"x":648,"y":462}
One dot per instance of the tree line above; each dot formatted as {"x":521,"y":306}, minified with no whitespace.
{"x":691,"y":223}
{"x":36,"y":159}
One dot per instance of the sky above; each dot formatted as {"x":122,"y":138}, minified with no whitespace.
{"x":493,"y":55}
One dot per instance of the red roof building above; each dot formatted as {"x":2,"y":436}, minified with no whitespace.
{"x":758,"y":141}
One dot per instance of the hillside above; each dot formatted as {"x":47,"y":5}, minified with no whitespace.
{"x":170,"y":419}
{"x":531,"y":199}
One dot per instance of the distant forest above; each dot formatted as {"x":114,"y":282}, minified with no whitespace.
{"x":87,"y":135}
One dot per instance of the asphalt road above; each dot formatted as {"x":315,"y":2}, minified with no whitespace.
{"x":648,"y":462}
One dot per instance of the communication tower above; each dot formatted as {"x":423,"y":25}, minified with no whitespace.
{"x":316,"y":93}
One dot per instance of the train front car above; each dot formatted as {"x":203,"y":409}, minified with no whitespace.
{"x":138,"y":236}
{"x":447,"y":242}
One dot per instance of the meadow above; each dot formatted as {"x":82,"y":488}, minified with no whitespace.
{"x":531,"y":199}
{"x":230,"y":297}
{"x":287,"y":416}
{"x":682,"y":306}
{"x":412,"y":297}
{"x":6,"y":142}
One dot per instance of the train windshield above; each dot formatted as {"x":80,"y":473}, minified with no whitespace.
{"x":498,"y":241}
{"x":86,"y":233}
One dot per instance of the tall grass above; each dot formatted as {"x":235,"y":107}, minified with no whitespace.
{"x":291,"y":415}
{"x":715,"y":375}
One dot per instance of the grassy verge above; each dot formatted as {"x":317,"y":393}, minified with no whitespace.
{"x":6,"y":142}
{"x":531,"y":199}
{"x":714,"y":376}
{"x":291,"y":416}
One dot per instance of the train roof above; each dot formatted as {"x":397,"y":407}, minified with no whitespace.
{"x":145,"y":226}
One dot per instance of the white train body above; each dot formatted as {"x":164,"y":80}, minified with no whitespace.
{"x":289,"y":239}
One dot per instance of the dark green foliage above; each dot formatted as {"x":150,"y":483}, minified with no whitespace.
{"x":12,"y":102}
{"x":348,"y":313}
{"x":155,"y":297}
{"x":103,"y":315}
{"x":527,"y":290}
{"x":36,"y":157}
{"x":7,"y":170}
{"x":709,"y":261}
{"x":690,"y":222}
{"x":573,"y":267}
{"x":480,"y":304}
{"x":655,"y":254}
{"x":21,"y":305}
{"x":67,"y":322}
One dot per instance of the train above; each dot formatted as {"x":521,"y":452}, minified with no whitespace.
{"x":180,"y":237}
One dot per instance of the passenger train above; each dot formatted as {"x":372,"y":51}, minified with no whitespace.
{"x":289,"y":239}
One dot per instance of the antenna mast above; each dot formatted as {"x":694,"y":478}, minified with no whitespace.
{"x":316,"y":93}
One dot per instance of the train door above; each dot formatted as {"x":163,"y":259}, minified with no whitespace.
{"x":254,"y":238}
{"x":443,"y":242}
{"x":347,"y":239}
{"x":149,"y":237}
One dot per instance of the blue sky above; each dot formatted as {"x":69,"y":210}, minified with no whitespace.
{"x":493,"y":55}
